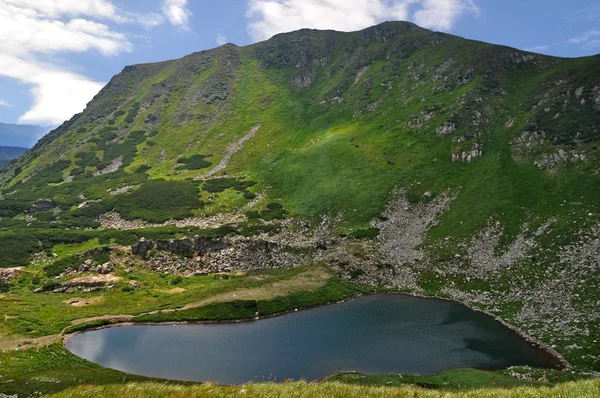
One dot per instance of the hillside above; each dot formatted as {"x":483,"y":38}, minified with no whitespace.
{"x":396,"y":157}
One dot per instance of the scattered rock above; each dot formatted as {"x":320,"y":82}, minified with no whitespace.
{"x":111,"y":168}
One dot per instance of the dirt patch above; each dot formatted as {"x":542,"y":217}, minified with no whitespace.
{"x":175,"y":290}
{"x":80,"y":302}
{"x":91,"y":280}
{"x":259,"y":277}
{"x":23,"y":344}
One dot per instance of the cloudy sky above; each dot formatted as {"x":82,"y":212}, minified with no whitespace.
{"x":56,"y":54}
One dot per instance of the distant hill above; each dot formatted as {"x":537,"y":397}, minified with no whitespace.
{"x":8,"y":153}
{"x":21,"y":135}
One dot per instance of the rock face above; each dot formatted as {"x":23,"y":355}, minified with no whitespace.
{"x":446,"y":129}
{"x":7,"y":274}
{"x":468,"y":156}
{"x":205,"y":245}
{"x":202,"y":256}
{"x":559,"y":158}
{"x":142,"y":247}
{"x":184,"y":246}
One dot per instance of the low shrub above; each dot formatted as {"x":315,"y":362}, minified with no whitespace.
{"x":195,"y":162}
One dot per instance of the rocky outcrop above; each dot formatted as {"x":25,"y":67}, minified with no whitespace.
{"x":206,"y":245}
{"x":476,"y":151}
{"x":446,"y":129}
{"x":84,"y":284}
{"x":42,"y":205}
{"x":184,"y":246}
{"x":111,"y":168}
{"x":559,"y":158}
{"x":528,"y":143}
{"x":6,"y":274}
{"x":243,"y":254}
{"x":142,"y":247}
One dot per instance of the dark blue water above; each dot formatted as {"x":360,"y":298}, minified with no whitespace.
{"x":374,"y":334}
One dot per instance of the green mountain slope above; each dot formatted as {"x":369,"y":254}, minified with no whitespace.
{"x":439,"y":165}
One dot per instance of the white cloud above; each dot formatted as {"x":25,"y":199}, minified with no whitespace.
{"x":31,"y":31}
{"x":584,"y":37}
{"x":55,"y":9}
{"x":588,"y":40}
{"x":221,"y":39}
{"x":442,"y":14}
{"x":591,"y":45}
{"x":4,"y":103}
{"x":58,"y":94}
{"x":537,"y":49}
{"x":269,"y":17}
{"x":177,"y":13}
{"x":149,"y":20}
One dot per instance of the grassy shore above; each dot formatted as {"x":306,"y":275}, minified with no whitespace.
{"x":331,"y":390}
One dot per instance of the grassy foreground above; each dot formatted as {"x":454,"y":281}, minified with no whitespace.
{"x":303,"y":389}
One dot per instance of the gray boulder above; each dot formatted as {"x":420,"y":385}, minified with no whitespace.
{"x":142,"y":247}
{"x":206,"y":245}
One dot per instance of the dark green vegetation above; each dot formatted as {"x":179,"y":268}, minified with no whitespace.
{"x":159,"y":200}
{"x":195,"y":162}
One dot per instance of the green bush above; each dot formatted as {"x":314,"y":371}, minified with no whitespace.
{"x":365,"y":233}
{"x":159,"y":200}
{"x":132,"y":113}
{"x":59,"y":266}
{"x":195,"y":162}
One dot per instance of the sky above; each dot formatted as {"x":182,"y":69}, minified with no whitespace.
{"x":55,"y":55}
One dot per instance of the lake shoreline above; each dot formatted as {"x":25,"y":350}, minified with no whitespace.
{"x":557,"y":359}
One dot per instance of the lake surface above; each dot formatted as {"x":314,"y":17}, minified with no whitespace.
{"x":372,"y":334}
